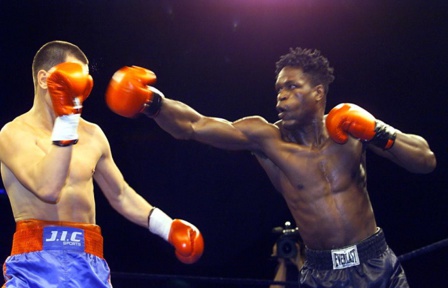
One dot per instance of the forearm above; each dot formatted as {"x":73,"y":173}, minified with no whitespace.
{"x":411,"y":152}
{"x":183,"y":122}
{"x":130,"y":93}
{"x":177,"y":119}
{"x":132,"y":206}
{"x":280,"y":275}
{"x":48,"y":176}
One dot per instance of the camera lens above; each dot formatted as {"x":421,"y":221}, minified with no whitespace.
{"x":286,"y":248}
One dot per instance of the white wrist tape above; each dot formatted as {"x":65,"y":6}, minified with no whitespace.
{"x":66,"y":127}
{"x":160,"y":223}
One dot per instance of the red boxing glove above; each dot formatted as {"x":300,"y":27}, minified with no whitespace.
{"x":349,"y":119}
{"x":185,"y":237}
{"x":187,"y":240}
{"x":69,"y":84}
{"x":128,"y":93}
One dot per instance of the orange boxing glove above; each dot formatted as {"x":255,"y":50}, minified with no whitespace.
{"x":128,"y":93}
{"x":188,"y":241}
{"x":185,"y":237}
{"x":349,"y":119}
{"x":69,"y":84}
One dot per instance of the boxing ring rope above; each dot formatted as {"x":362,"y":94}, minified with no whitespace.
{"x":242,"y":282}
{"x":424,"y":250}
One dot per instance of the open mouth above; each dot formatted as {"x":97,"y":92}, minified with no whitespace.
{"x":281,"y":112}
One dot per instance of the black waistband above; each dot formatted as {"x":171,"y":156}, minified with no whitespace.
{"x":369,"y":248}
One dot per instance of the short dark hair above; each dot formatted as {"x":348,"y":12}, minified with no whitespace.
{"x":53,"y":53}
{"x":311,"y":62}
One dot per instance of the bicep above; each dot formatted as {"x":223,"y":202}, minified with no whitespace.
{"x":107,"y":175}
{"x":243,"y":134}
{"x":108,"y":178}
{"x":219,"y":133}
{"x":21,"y":156}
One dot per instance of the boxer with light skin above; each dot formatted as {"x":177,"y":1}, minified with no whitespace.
{"x":50,"y":157}
{"x":316,"y":161}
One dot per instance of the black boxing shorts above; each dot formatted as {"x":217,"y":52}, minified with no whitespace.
{"x":370,"y":263}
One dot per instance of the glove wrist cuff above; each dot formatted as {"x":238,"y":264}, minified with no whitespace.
{"x":384,"y":135}
{"x":152,"y":108}
{"x":65,"y":130}
{"x":159,"y":223}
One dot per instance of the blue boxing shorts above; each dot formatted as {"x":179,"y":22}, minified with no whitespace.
{"x":56,"y":254}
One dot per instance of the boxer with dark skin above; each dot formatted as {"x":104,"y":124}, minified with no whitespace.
{"x":316,"y":161}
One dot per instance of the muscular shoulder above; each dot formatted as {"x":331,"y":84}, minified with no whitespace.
{"x":260,"y":133}
{"x":90,"y":127}
{"x":256,"y":126}
{"x":13,"y":126}
{"x":92,"y":132}
{"x":16,"y":130}
{"x":4,"y":132}
{"x":19,"y":135}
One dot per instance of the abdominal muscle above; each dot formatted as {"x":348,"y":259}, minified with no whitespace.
{"x":75,"y":204}
{"x":325,"y":190}
{"x":333,"y":220}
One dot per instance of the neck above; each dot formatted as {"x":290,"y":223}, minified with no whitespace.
{"x":312,"y":135}
{"x":42,"y":110}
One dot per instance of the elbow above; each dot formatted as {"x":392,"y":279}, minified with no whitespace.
{"x":117,"y":196}
{"x":427,"y":160}
{"x":426,"y":164}
{"x":430,"y":163}
{"x":50,"y":196}
{"x":181,"y":135}
{"x":184,"y":133}
{"x":49,"y":193}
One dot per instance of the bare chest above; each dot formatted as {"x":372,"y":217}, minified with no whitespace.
{"x":305,"y":174}
{"x":85,"y":156}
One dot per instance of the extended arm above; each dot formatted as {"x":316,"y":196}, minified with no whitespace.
{"x":183,"y":122}
{"x":185,"y":237}
{"x":117,"y":191}
{"x":129,"y":95}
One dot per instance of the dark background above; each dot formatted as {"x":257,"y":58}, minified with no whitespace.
{"x":218,"y":56}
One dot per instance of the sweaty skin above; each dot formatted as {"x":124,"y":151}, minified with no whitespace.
{"x":323,"y":183}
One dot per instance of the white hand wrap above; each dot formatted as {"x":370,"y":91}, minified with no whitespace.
{"x":66,"y":127}
{"x":159,"y":223}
